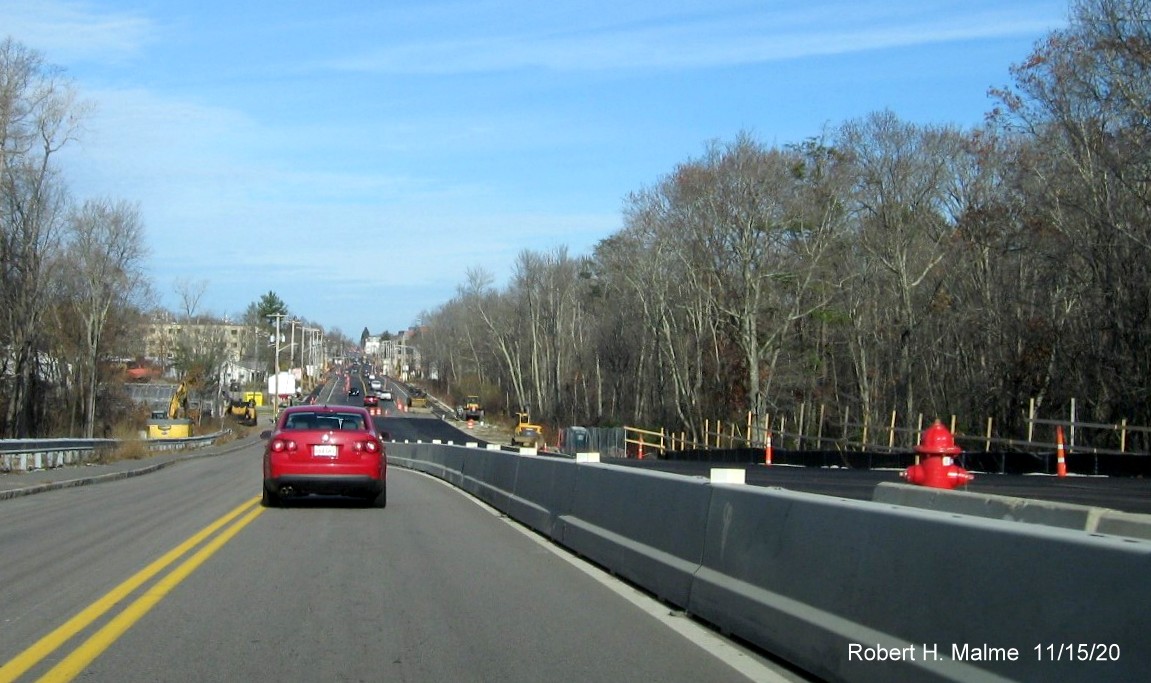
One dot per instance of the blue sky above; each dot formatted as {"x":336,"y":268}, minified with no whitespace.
{"x":357,"y":158}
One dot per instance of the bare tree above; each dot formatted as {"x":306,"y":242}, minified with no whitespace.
{"x":504,"y":331}
{"x":904,"y":231}
{"x":1083,"y":98}
{"x":473,"y":346}
{"x":762,"y":221}
{"x":676,"y":329}
{"x":190,"y":292}
{"x":38,"y":116}
{"x":104,"y":253}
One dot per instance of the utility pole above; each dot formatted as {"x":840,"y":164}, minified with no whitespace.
{"x":292,"y":347}
{"x":312,"y":335}
{"x":276,"y":380}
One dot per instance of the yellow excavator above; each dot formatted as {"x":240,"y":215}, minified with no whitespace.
{"x":173,"y":423}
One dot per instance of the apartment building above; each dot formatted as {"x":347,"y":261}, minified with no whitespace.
{"x":239,"y":342}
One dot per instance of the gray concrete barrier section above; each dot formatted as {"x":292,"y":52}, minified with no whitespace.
{"x":1025,"y":510}
{"x":841,"y":587}
{"x":411,"y":455}
{"x":543,"y":491}
{"x":808,"y":576}
{"x":450,"y":460}
{"x":489,"y":476}
{"x":1127,"y":524}
{"x":647,"y":527}
{"x":424,"y":457}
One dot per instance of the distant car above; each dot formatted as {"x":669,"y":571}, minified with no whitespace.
{"x":354,"y":391}
{"x":386,"y":395}
{"x":371,"y":400}
{"x":325,"y":450}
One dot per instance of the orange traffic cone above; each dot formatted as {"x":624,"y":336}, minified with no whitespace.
{"x":1060,"y":457}
{"x":767,"y":450}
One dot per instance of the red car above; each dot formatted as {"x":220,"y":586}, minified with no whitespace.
{"x":371,"y":400}
{"x":325,"y":450}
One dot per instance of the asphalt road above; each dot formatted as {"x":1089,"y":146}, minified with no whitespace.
{"x":433,"y":588}
{"x":180,"y":575}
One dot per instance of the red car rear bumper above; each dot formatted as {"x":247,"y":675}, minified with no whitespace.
{"x":325,"y":485}
{"x":285,"y":476}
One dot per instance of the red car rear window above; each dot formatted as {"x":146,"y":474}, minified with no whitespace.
{"x":333,"y":421}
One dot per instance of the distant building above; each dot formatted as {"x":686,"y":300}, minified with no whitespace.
{"x":161,"y":338}
{"x":395,"y":357}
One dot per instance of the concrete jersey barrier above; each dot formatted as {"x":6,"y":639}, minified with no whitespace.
{"x":855,"y":591}
{"x":647,"y":527}
{"x":1025,"y":510}
{"x":846,"y":590}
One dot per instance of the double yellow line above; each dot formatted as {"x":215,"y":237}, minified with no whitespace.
{"x":101,"y":640}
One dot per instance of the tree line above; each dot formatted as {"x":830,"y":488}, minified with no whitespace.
{"x":73,"y":290}
{"x":68,"y":269}
{"x":882,"y":266}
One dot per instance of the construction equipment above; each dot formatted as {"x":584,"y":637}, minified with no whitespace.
{"x":417,"y":400}
{"x":178,"y":404}
{"x":243,"y":412}
{"x":174,"y":423}
{"x":473,"y":410}
{"x":527,"y":434}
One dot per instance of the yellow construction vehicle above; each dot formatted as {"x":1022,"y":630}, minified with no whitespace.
{"x":472,"y":409}
{"x":243,"y":412}
{"x":173,"y":423}
{"x":417,"y":400}
{"x":527,"y":434}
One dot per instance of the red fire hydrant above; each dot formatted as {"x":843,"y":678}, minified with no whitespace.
{"x":938,"y":469}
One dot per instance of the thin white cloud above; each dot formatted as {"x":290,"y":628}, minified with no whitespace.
{"x":75,"y":31}
{"x":148,"y":145}
{"x":684,"y":42}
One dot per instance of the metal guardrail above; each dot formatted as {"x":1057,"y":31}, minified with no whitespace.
{"x":23,"y":455}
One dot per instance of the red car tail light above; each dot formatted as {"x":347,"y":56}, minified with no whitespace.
{"x":370,"y":446}
{"x":281,"y":445}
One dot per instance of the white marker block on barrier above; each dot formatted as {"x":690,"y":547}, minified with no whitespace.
{"x":587,"y":457}
{"x":727,"y":475}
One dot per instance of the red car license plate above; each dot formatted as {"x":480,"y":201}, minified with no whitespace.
{"x":324,"y":451}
